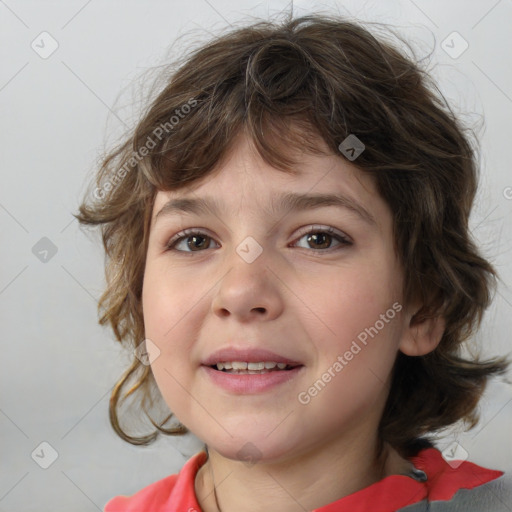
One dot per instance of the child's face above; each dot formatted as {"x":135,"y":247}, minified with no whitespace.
{"x":304,"y":298}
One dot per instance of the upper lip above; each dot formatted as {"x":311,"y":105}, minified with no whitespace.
{"x":249,"y":355}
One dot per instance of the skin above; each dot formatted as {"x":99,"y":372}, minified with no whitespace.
{"x":303,"y":299}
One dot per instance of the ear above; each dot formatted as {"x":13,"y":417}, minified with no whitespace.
{"x":421,"y":335}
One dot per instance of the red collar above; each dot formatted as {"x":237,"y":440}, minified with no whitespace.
{"x":397,"y":491}
{"x":176,"y":492}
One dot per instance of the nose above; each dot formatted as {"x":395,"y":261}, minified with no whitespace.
{"x":248,"y":291}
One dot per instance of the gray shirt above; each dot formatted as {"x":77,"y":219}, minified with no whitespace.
{"x":494,"y":496}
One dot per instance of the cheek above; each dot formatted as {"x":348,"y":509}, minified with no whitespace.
{"x":361,"y":323}
{"x":168,"y":320}
{"x":168,"y":302}
{"x":354,"y":365}
{"x":356,"y":299}
{"x":165,"y":318}
{"x":172,"y":310}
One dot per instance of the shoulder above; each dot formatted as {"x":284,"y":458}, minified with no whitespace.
{"x":462,"y":487}
{"x":151,"y":496}
{"x":495,"y":496}
{"x":176,"y":490}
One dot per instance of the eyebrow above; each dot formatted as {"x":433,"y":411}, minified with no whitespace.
{"x":288,"y":202}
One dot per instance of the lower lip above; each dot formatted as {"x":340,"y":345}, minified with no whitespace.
{"x":250,"y":383}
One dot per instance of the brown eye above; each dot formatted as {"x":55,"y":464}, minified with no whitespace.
{"x":320,"y":240}
{"x":197,"y":242}
{"x":193,"y":241}
{"x":323,"y":239}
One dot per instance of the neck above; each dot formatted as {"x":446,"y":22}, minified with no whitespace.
{"x":310,"y":480}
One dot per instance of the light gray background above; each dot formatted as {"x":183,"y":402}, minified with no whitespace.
{"x":58,"y":366}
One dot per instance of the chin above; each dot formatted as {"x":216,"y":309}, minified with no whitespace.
{"x":254,"y":447}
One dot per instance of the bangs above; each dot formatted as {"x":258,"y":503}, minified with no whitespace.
{"x":264,"y":93}
{"x":280,"y":142}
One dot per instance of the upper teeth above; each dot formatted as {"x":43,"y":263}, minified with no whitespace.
{"x":240,"y":365}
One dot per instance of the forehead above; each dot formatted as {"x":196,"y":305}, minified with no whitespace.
{"x":234,"y":199}
{"x":244,"y":178}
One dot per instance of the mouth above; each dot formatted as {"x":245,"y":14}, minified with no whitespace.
{"x":249,"y":371}
{"x":252,"y":368}
{"x":251,"y":377}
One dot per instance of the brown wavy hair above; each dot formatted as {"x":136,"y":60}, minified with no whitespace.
{"x":285,"y":84}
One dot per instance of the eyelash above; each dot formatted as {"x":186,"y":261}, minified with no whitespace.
{"x":187,"y":233}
